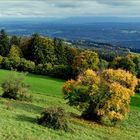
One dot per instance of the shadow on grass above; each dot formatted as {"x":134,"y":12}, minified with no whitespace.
{"x":25,"y":118}
{"x":19,"y":105}
{"x":28,"y":107}
{"x":136,"y":101}
{"x":45,"y":77}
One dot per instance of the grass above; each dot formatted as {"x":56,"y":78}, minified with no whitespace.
{"x":18,"y":119}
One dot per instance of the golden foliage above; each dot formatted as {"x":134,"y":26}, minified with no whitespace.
{"x":109,"y":92}
{"x":68,"y":86}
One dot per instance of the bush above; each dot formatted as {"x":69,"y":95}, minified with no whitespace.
{"x":10,"y":63}
{"x":55,"y":118}
{"x":19,"y":64}
{"x":14,"y":87}
{"x":101,"y":96}
{"x":57,"y":71}
{"x":44,"y":69}
{"x":26,"y":65}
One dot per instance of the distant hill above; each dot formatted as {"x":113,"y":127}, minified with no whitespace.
{"x":95,"y":19}
{"x":124,"y":32}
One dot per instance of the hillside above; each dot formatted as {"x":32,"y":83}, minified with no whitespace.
{"x":18,"y":119}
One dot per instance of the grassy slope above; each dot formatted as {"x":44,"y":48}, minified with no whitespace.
{"x":18,"y":119}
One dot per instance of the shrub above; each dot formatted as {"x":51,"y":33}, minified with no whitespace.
{"x":26,"y":65}
{"x":14,"y":87}
{"x":57,"y":71}
{"x":44,"y":69}
{"x":55,"y":118}
{"x":7,"y":64}
{"x":103,"y":95}
{"x":19,"y":64}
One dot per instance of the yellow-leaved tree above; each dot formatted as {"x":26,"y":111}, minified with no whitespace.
{"x":102,"y":96}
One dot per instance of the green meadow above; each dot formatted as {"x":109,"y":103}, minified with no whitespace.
{"x":18,"y":118}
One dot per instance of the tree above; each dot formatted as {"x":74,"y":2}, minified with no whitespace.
{"x":15,"y":41}
{"x":42,"y":50}
{"x":15,"y":52}
{"x":136,"y":60}
{"x":85,"y":60}
{"x":125,"y":63}
{"x":130,"y":63}
{"x":4,"y":43}
{"x":103,"y":64}
{"x":101,"y":96}
{"x":60,"y":51}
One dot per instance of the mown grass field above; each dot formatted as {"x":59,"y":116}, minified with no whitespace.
{"x":18,"y":119}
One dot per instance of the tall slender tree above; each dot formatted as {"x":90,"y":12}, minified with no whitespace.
{"x":4,"y":43}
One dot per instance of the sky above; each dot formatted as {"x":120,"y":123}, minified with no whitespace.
{"x":69,"y":8}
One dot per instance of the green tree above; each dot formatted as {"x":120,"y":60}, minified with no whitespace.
{"x":131,"y":63}
{"x":125,"y":63}
{"x":15,"y":41}
{"x":4,"y":43}
{"x":136,"y":60}
{"x":15,"y":51}
{"x":60,"y":51}
{"x":42,"y":50}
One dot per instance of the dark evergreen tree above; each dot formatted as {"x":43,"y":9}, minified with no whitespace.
{"x":4,"y":43}
{"x":15,"y":41}
{"x":41,"y":50}
{"x":60,"y":51}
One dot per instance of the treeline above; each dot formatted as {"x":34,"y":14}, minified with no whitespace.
{"x":37,"y":54}
{"x":57,"y":58}
{"x":105,"y":50}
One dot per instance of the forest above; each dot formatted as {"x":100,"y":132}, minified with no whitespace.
{"x":56,"y":57}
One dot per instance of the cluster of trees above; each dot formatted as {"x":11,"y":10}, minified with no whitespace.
{"x":37,"y":54}
{"x":57,"y":58}
{"x":42,"y":55}
{"x":131,"y":63}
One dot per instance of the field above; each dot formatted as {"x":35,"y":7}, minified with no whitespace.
{"x":18,"y":119}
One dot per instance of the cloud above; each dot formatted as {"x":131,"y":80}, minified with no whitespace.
{"x":66,"y":8}
{"x":118,"y":2}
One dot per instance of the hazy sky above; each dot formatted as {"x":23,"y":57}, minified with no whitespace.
{"x":67,"y":8}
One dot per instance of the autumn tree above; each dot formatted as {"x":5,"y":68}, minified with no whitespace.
{"x":85,"y":60}
{"x":101,"y":96}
